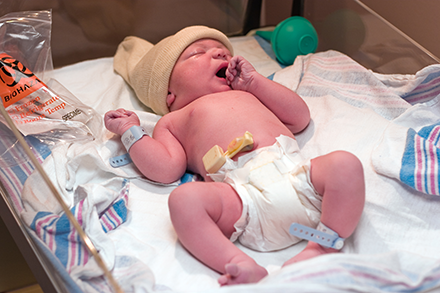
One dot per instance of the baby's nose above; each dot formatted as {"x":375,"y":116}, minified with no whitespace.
{"x":219,"y":54}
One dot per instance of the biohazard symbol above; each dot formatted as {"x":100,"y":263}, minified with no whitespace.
{"x":16,"y":80}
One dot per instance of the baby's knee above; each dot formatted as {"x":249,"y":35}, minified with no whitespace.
{"x":352,"y":174}
{"x":180,"y":198}
{"x":352,"y":164}
{"x":346,"y":170}
{"x":190,"y":197}
{"x":348,"y":164}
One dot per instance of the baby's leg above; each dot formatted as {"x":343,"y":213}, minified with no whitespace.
{"x":203,"y":215}
{"x":339,"y":178}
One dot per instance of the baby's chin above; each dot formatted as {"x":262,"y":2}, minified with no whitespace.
{"x":225,"y":87}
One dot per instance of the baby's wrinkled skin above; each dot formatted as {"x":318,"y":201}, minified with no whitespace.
{"x":210,"y":106}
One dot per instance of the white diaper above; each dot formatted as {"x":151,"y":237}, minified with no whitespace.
{"x":275,"y":188}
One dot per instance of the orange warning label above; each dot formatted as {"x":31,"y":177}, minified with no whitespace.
{"x":16,"y":81}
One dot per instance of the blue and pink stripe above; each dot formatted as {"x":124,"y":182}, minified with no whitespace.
{"x":64,"y":241}
{"x":421,"y":160}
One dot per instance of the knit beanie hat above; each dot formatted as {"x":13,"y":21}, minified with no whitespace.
{"x":147,"y":68}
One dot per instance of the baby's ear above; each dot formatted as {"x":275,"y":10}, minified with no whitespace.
{"x":170,"y":99}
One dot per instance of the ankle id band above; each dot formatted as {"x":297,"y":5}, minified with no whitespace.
{"x":322,"y":235}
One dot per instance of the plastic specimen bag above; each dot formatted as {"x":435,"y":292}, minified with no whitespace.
{"x":41,"y":110}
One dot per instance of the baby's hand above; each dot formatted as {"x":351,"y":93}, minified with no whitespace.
{"x":240,"y":73}
{"x":120,"y":120}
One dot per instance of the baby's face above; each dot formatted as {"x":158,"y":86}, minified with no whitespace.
{"x":200,"y":70}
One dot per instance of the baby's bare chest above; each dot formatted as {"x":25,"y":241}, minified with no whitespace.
{"x":227,"y":114}
{"x":208,"y":122}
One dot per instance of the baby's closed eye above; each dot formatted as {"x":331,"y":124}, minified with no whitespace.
{"x":197,"y":52}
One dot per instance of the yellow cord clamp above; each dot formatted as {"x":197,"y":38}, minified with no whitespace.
{"x":215,"y":158}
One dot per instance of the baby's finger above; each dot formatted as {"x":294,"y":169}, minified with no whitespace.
{"x":233,"y":62}
{"x":111,"y":115}
{"x":126,"y":113}
{"x":229,"y":74}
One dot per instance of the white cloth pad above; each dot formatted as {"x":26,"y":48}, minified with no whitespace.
{"x":394,"y":248}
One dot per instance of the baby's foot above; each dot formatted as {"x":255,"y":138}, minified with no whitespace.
{"x":312,"y":250}
{"x":241,"y":273}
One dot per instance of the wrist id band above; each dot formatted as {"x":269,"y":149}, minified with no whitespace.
{"x":120,"y":161}
{"x":322,"y":235}
{"x":132,"y":135}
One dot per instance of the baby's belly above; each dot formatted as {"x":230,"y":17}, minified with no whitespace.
{"x":262,"y":137}
{"x":211,"y":122}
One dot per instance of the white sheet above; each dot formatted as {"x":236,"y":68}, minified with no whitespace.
{"x":394,"y":247}
{"x":395,"y":216}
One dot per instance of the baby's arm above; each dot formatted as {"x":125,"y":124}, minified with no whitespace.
{"x":283,"y":102}
{"x":160,"y":158}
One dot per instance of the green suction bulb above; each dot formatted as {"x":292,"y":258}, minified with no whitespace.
{"x":267,"y":35}
{"x":290,"y":38}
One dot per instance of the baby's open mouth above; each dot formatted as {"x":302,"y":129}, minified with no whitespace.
{"x":221,"y":73}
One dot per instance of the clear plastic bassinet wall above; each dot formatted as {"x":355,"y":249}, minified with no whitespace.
{"x":346,"y":26}
{"x":354,"y":28}
{"x":37,"y":114}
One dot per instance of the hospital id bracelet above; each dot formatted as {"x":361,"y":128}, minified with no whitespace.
{"x":132,"y":135}
{"x":322,"y":235}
